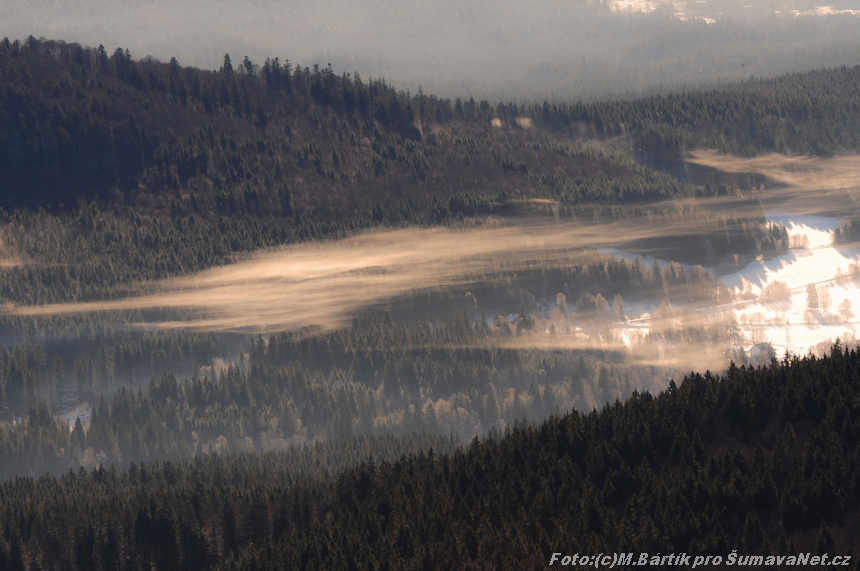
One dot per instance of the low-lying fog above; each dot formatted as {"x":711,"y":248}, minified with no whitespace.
{"x":774,"y":304}
{"x":795,"y":302}
{"x":325,"y":283}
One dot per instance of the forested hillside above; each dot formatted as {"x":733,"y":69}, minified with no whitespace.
{"x":374,"y":377}
{"x":157,"y":436}
{"x":763,"y":461}
{"x":188,"y":168}
{"x":810,"y":113}
{"x":277,"y":140}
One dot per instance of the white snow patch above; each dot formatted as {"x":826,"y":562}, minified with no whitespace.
{"x":788,"y":324}
{"x":816,"y":263}
{"x":633,"y":6}
{"x":825,"y":11}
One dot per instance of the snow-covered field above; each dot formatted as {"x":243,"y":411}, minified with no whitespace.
{"x":789,"y":324}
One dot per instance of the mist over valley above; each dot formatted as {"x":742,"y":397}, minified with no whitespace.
{"x":500,"y":281}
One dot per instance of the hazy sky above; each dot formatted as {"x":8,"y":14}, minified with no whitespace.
{"x":494,"y":49}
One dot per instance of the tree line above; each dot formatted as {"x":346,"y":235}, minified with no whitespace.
{"x":87,"y":253}
{"x":309,"y":145}
{"x":280,"y":139}
{"x":376,"y":377}
{"x":765,"y":461}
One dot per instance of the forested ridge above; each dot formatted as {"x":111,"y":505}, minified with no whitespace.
{"x":126,"y":446}
{"x":507,"y":50}
{"x":763,"y":460}
{"x":188,"y":167}
{"x":809,"y":113}
{"x":274,"y":138}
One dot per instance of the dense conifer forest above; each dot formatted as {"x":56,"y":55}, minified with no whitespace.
{"x":375,"y":377}
{"x":276,"y":140}
{"x":449,"y":427}
{"x":764,"y":461}
{"x":289,"y":141}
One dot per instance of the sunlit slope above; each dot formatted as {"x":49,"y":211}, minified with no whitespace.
{"x":805,"y":298}
{"x":821,"y":293}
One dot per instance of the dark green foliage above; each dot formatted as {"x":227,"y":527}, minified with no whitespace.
{"x":690,"y":470}
{"x":180,"y":169}
{"x":85,"y":254}
{"x":89,"y":253}
{"x":813,"y":113}
{"x":76,"y":124}
{"x":375,"y":377}
{"x":165,"y":139}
